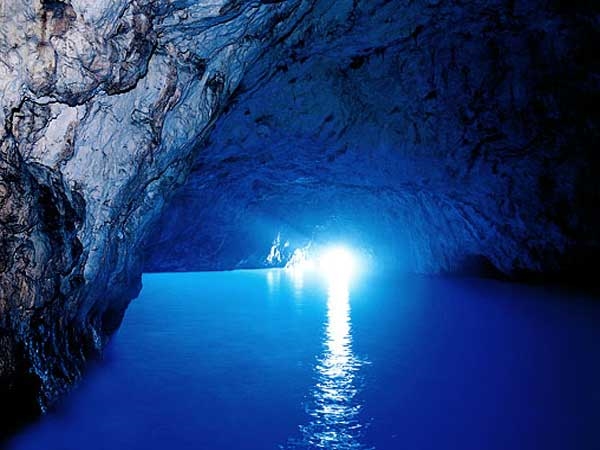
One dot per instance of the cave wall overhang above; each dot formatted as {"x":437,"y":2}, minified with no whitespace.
{"x":444,"y":139}
{"x":102,"y":105}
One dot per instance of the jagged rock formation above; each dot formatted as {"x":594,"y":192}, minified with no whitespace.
{"x":102,"y":105}
{"x":440,"y":136}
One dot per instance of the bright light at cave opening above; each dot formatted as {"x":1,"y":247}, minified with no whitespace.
{"x":336,"y":263}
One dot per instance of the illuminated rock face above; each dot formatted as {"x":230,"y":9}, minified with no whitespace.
{"x":441,"y":138}
{"x":102,"y":105}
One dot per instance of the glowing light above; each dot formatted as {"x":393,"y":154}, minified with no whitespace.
{"x":334,"y":407}
{"x":337,"y":263}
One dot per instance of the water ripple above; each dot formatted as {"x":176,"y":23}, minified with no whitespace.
{"x":334,"y":407}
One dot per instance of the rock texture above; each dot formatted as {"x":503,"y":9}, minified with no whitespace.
{"x":102,"y":105}
{"x":438,"y":136}
{"x":428,"y":133}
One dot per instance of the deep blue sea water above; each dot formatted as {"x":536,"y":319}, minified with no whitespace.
{"x":258,"y":360}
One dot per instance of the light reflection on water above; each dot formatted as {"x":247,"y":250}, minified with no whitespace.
{"x":297,"y":277}
{"x":234,"y":360}
{"x":334,"y":407}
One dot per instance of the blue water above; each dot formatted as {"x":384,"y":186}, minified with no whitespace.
{"x":270,"y":359}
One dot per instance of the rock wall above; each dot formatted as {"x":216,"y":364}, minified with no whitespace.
{"x":439,"y":136}
{"x":102,"y":105}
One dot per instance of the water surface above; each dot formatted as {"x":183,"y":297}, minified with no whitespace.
{"x":270,"y":360}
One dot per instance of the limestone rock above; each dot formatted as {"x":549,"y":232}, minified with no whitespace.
{"x":101,"y":105}
{"x":438,"y":136}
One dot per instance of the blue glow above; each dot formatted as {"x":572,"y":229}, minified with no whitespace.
{"x":334,"y":409}
{"x":239,"y":360}
{"x":337,"y":263}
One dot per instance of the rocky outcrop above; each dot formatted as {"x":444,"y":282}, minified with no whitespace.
{"x":102,"y":106}
{"x":438,"y":136}
{"x":40,"y":266}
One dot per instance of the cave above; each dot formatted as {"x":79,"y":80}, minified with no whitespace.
{"x":373,"y":224}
